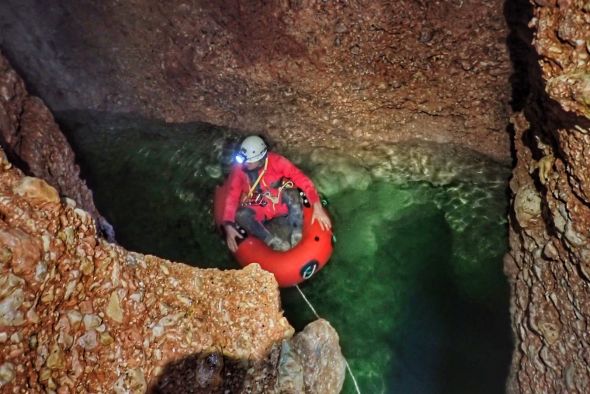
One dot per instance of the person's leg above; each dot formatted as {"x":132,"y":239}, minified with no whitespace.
{"x":246,"y":218}
{"x":295,"y":216}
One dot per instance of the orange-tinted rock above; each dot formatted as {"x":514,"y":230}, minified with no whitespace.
{"x":79,"y":313}
{"x":34,"y":141}
{"x":121,"y":323}
{"x":549,"y":262}
{"x":36,"y":190}
{"x":25,"y":253}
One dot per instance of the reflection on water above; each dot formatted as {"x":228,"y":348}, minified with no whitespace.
{"x":415,"y":286}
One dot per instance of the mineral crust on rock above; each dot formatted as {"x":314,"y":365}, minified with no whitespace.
{"x":308,"y":73}
{"x":311,"y":362}
{"x":80,"y":314}
{"x":549,"y":262}
{"x":562,"y":39}
{"x":32,"y":139}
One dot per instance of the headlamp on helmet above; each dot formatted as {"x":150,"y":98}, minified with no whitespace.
{"x":240,"y":157}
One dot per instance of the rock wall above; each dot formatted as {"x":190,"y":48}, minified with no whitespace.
{"x":32,"y":139}
{"x":72,"y":304}
{"x":549,"y":262}
{"x":334,"y":74}
{"x":78,"y":313}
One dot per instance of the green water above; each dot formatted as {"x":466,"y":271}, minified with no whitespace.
{"x":415,"y":286}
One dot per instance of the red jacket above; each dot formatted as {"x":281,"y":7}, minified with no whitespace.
{"x":278,"y":167}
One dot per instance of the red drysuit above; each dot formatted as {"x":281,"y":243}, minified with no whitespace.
{"x":278,"y":167}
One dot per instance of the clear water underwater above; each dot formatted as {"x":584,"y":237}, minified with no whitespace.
{"x":415,"y":286}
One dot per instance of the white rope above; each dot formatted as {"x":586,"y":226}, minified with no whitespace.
{"x":356,"y":385}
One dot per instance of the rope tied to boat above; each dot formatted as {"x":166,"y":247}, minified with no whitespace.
{"x":356,"y":386}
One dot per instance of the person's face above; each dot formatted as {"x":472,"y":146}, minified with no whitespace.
{"x":253,"y":166}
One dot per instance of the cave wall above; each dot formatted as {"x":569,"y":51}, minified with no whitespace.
{"x":549,"y":262}
{"x":79,"y":314}
{"x":330,"y":73}
{"x":32,"y":139}
{"x":73,"y":304}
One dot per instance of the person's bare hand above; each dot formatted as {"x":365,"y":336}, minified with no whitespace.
{"x":230,"y":237}
{"x":321,"y":216}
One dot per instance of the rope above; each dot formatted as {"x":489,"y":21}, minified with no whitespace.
{"x":356,"y":385}
{"x":259,"y":178}
{"x":277,"y":199}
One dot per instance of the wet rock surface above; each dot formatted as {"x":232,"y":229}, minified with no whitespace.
{"x":331,"y":74}
{"x":311,"y":362}
{"x":548,"y":265}
{"x":562,"y":42}
{"x":33,"y":140}
{"x":72,"y":304}
{"x":79,"y":313}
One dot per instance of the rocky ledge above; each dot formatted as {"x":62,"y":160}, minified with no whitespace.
{"x":79,"y":313}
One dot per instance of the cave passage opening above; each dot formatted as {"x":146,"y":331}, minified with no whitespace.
{"x":415,"y":287}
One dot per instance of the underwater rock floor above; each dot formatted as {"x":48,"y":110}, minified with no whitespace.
{"x":415,"y":287}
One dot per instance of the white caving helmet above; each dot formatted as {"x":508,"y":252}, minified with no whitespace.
{"x":252,"y":149}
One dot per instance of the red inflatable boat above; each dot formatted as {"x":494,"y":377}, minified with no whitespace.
{"x":292,"y":266}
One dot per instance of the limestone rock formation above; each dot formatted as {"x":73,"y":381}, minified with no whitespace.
{"x":30,"y":136}
{"x":326,"y":73}
{"x":78,"y":313}
{"x":549,"y":262}
{"x":311,"y":362}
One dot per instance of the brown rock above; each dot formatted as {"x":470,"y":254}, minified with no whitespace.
{"x":316,"y":352}
{"x":279,"y":69}
{"x":114,"y":310}
{"x":79,"y":333}
{"x":549,"y":240}
{"x":25,"y":252}
{"x":36,"y":191}
{"x":31,"y":136}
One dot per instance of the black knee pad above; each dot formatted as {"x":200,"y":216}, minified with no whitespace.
{"x":244,"y":215}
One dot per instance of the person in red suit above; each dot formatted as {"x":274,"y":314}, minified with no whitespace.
{"x":263,"y":186}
